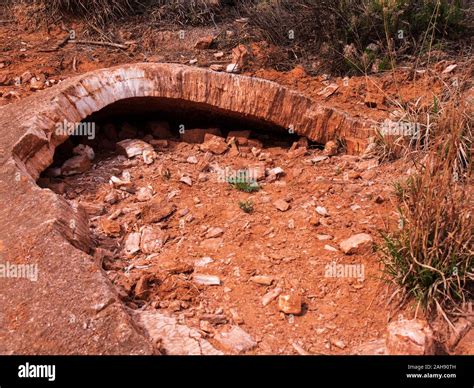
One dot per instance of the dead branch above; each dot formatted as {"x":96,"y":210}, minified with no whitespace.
{"x":96,"y":43}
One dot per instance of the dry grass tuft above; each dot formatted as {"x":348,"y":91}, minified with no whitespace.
{"x":431,"y":255}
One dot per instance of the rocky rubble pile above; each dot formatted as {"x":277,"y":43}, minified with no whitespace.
{"x":182,"y":255}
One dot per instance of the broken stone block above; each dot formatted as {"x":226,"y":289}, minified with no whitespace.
{"x":328,"y":90}
{"x":357,"y":244}
{"x":121,"y":184}
{"x":331,"y":148}
{"x":111,"y":197}
{"x":202,"y":262}
{"x":373,"y":347}
{"x":236,"y":340}
{"x":4,"y":80}
{"x":144,"y":194}
{"x":241,"y":137}
{"x":277,"y":172}
{"x":338,"y":344}
{"x":301,"y":143}
{"x":109,"y":227}
{"x":160,"y":144}
{"x":152,"y":239}
{"x":290,"y":304}
{"x":212,"y":244}
{"x":262,"y":280}
{"x":295,"y":154}
{"x":76,"y":165}
{"x":196,"y":136}
{"x":215,"y":319}
{"x":157,"y":210}
{"x":254,"y":143}
{"x":142,"y":288}
{"x":318,"y":159}
{"x":214,"y":144}
{"x":132,"y":244}
{"x":93,"y":209}
{"x":322,"y":211}
{"x":174,"y":339}
{"x":133,"y":147}
{"x":149,"y":157}
{"x":409,"y":337}
{"x":192,"y":160}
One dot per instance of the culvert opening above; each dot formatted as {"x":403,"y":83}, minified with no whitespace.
{"x":162,"y":183}
{"x":163,"y":124}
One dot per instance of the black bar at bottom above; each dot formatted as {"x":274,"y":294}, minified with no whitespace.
{"x":310,"y":371}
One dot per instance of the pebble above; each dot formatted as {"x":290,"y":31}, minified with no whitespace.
{"x":271,"y":295}
{"x":207,"y":280}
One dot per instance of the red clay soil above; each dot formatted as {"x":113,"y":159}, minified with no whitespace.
{"x":288,"y":249}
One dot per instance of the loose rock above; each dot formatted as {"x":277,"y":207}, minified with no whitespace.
{"x":271,"y":295}
{"x":281,"y":205}
{"x":133,"y":147}
{"x":132,"y":244}
{"x":409,"y":337}
{"x":236,"y":340}
{"x":262,"y":280}
{"x":357,"y":244}
{"x":290,"y":304}
{"x":207,"y":280}
{"x":144,"y":194}
{"x":76,"y":165}
{"x":214,"y":232}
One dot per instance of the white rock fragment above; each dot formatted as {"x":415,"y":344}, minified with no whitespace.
{"x":132,"y":244}
{"x":133,"y":147}
{"x":322,"y":211}
{"x":232,"y":68}
{"x":202,"y":262}
{"x":271,"y":295}
{"x":358,"y":243}
{"x":144,"y":193}
{"x":83,"y":149}
{"x":186,"y":180}
{"x":192,"y":159}
{"x":207,"y":280}
{"x":236,"y":340}
{"x":148,"y":156}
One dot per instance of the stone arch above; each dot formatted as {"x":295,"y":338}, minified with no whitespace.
{"x":241,"y":96}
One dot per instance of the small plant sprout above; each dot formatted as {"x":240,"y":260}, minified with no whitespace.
{"x":247,"y":206}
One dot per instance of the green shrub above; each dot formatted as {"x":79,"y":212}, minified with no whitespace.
{"x":247,"y":206}
{"x":247,"y":187}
